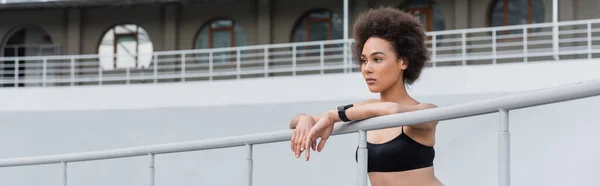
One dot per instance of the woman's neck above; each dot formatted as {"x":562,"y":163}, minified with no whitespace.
{"x":397,"y":94}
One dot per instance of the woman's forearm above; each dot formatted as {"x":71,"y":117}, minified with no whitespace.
{"x":297,"y":118}
{"x":376,"y":109}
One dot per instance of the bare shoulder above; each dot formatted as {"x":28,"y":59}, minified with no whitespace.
{"x":429,"y":125}
{"x":369,"y":101}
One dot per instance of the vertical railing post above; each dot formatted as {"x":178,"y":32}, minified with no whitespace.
{"x":99,"y":73}
{"x":152,"y":172}
{"x":127,"y":76}
{"x":266,"y":53}
{"x":249,"y":165}
{"x":294,"y":60}
{"x":72,"y":71}
{"x":345,"y":54}
{"x":238,"y":63}
{"x":155,"y":68}
{"x":362,"y":158}
{"x":64,"y":180}
{"x":464,"y":48}
{"x":494,"y":38}
{"x":322,"y":58}
{"x":589,"y":39}
{"x":182,"y":66}
{"x":210,"y":65}
{"x":44,"y":72}
{"x":346,"y":32}
{"x":434,"y":50}
{"x":16,"y":72}
{"x":525,"y":44}
{"x":503,"y":149}
{"x":555,"y":32}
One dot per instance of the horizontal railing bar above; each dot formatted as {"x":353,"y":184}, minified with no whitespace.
{"x":510,"y":102}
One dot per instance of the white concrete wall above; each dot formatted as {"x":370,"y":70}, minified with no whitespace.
{"x":552,"y":144}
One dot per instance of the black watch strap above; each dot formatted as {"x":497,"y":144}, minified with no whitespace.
{"x":342,"y":112}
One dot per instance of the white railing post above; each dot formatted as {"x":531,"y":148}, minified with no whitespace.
{"x":266,"y":53}
{"x":155,"y":68}
{"x":72,"y":71}
{"x":100,"y":74}
{"x":555,"y":28}
{"x":127,"y":76}
{"x":249,"y":165}
{"x":152,"y":172}
{"x":210,"y":66}
{"x":44,"y":71}
{"x":345,"y":57}
{"x":346,"y":30}
{"x":525,"y":44}
{"x":182,"y":66}
{"x":322,"y":58}
{"x":464,"y":48}
{"x":294,"y":60}
{"x":494,"y":38}
{"x":589,"y":39}
{"x":16,"y":72}
{"x":238,"y":63}
{"x":433,"y":49}
{"x":64,"y":180}
{"x":362,"y":158}
{"x":503,"y":149}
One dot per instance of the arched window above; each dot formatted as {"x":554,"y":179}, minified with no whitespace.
{"x":427,"y":12}
{"x":25,"y":41}
{"x":515,"y":12}
{"x":220,"y":33}
{"x":318,"y":25}
{"x":125,"y":46}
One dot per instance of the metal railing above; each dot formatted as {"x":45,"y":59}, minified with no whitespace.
{"x":502,"y":105}
{"x":493,"y":45}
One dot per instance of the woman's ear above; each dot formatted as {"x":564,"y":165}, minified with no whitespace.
{"x":403,"y":63}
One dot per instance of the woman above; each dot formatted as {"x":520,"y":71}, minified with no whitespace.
{"x":391,"y":51}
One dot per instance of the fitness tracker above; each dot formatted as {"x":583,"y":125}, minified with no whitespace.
{"x":342,"y":112}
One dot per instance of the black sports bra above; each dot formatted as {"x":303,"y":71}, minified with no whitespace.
{"x":399,"y":154}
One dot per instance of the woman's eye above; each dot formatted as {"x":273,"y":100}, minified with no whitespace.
{"x":377,"y":59}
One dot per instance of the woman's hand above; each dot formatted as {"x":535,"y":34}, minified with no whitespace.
{"x":304,"y":125}
{"x":322,"y":129}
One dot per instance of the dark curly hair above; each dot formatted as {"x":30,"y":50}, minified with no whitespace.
{"x":402,"y":30}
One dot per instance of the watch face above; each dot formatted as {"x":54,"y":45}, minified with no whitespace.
{"x":340,"y":107}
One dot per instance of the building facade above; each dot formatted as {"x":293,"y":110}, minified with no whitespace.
{"x":147,"y":27}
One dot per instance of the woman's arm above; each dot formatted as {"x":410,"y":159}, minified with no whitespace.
{"x":362,"y":112}
{"x":324,"y":127}
{"x":296,"y":119}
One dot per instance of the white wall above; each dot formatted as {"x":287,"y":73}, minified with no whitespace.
{"x":552,"y":145}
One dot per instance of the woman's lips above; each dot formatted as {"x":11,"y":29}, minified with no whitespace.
{"x":370,"y":80}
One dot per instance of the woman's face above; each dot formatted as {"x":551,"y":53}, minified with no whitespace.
{"x":380,"y":66}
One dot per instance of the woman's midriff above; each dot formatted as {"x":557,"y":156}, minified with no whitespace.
{"x":417,"y":177}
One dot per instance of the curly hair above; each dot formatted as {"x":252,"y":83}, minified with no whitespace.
{"x":402,"y":30}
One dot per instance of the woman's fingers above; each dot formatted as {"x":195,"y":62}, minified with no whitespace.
{"x":299,"y":147}
{"x":297,"y":143}
{"x":310,"y":140}
{"x":292,"y":139}
{"x":321,"y":144}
